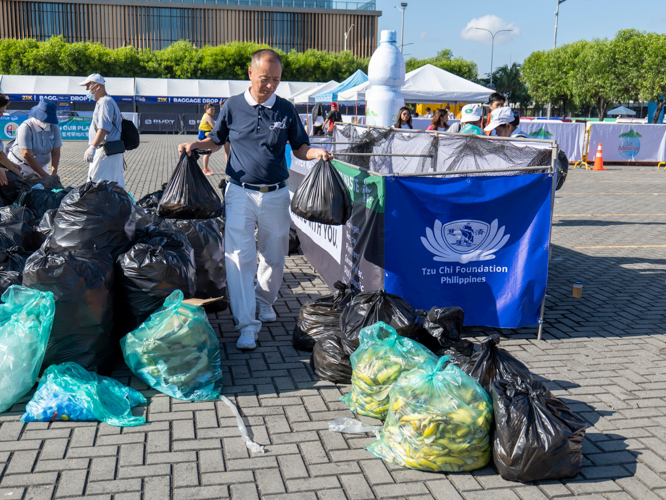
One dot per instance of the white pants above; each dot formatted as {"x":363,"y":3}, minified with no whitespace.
{"x":106,"y":168}
{"x":269,"y":214}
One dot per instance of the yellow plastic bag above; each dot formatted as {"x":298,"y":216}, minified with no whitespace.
{"x":439,"y":420}
{"x":382,"y":357}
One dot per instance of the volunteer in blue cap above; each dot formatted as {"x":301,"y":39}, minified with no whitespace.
{"x":38,"y":141}
{"x":105,"y":128}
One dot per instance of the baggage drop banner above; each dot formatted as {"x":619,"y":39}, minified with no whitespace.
{"x":570,"y":137}
{"x":480,"y":243}
{"x":628,"y":142}
{"x":353,"y":253}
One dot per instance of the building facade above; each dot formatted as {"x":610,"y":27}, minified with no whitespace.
{"x":155,"y":24}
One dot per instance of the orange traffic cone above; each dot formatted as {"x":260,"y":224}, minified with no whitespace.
{"x":599,"y":160}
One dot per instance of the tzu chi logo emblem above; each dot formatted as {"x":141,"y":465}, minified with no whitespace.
{"x":464,"y":241}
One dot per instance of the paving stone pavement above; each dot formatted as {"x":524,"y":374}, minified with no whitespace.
{"x":603,"y":354}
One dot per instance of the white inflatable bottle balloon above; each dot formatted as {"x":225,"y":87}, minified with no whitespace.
{"x":386,"y":74}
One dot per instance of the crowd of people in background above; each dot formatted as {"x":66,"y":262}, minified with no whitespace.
{"x":38,"y":140}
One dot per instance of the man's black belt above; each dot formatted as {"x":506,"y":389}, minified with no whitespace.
{"x":255,"y":187}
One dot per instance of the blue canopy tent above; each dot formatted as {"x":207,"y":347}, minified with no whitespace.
{"x":331,"y":95}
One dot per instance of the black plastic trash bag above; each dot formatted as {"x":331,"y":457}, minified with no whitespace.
{"x":442,"y":328}
{"x":12,"y":262}
{"x":82,"y":283}
{"x":294,"y":242}
{"x":9,"y":278}
{"x":17,"y":184}
{"x":158,"y":264}
{"x":562,"y":168}
{"x":97,"y":215}
{"x":368,"y":308}
{"x":321,"y":316}
{"x":492,"y":363}
{"x":15,"y":230}
{"x":208,"y":242}
{"x":152,"y":200}
{"x":329,"y":360}
{"x":323,"y":196}
{"x":537,"y":437}
{"x":13,"y":259}
{"x":14,"y":213}
{"x":43,"y":230}
{"x":144,"y":218}
{"x":41,"y":200}
{"x":188,"y":194}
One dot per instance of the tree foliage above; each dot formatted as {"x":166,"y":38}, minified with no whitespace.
{"x":600,"y":72}
{"x":445,"y":60}
{"x":179,"y":60}
{"x":183,"y":60}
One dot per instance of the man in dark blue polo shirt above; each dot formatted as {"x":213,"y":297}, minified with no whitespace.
{"x":258,"y":124}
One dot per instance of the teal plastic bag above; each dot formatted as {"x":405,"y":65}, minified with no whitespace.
{"x":439,"y":420}
{"x":26,"y":317}
{"x":381,"y":358}
{"x":176,"y":351}
{"x":69,"y":392}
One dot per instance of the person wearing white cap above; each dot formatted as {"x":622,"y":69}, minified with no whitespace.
{"x":471,"y":117}
{"x":104,"y":129}
{"x":505,"y":123}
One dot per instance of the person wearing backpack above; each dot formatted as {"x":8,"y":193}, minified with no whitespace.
{"x":106,"y":148}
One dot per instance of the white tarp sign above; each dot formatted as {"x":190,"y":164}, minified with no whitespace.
{"x":569,"y":136}
{"x":628,"y":142}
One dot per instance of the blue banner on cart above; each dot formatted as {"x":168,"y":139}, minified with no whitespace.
{"x":480,"y":243}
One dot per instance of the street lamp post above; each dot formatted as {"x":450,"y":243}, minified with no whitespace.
{"x":492,"y":50}
{"x":557,"y":16}
{"x":402,"y":8}
{"x":347,"y":34}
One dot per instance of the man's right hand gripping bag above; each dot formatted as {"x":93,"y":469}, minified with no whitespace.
{"x":176,"y":352}
{"x":188,"y":194}
{"x":322,"y":196}
{"x":537,"y":437}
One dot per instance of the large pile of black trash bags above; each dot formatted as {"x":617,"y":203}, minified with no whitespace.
{"x":438,"y":415}
{"x":110,"y":262}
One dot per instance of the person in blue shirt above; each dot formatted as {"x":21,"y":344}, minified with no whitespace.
{"x":258,"y":124}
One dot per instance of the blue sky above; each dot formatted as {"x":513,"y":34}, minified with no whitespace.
{"x":432,"y":25}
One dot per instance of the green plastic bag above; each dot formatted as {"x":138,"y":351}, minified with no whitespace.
{"x":69,"y":392}
{"x":439,"y":420}
{"x":176,"y":351}
{"x":26,"y":317}
{"x":381,"y":358}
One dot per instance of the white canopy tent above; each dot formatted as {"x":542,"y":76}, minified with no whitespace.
{"x":184,"y":89}
{"x":622,"y":110}
{"x":307,"y":96}
{"x":149,"y":90}
{"x":289,"y":89}
{"x":429,"y":84}
{"x":60,"y":88}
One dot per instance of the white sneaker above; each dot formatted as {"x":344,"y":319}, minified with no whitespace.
{"x":265,"y":313}
{"x":247,"y":339}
